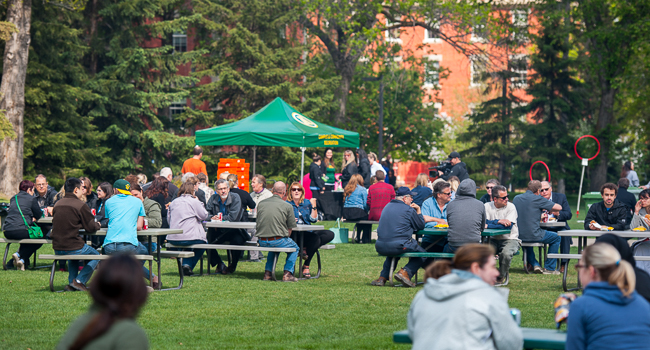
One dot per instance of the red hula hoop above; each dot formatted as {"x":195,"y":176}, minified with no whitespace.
{"x":530,"y":172}
{"x":575,"y":147}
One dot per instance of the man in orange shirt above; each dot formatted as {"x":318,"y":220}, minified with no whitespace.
{"x":195,"y":165}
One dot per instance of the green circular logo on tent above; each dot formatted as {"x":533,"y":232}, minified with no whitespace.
{"x":303,"y":120}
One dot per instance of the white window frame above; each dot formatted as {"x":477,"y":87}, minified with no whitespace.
{"x":516,"y":22}
{"x":176,"y":36}
{"x":388,"y":36}
{"x":522,"y":81}
{"x":472,"y":71}
{"x":432,"y":58}
{"x":428,"y":40}
{"x":474,"y":37}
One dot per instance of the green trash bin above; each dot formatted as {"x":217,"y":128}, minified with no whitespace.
{"x":635,"y":191}
{"x":590,"y":198}
{"x":340,"y":234}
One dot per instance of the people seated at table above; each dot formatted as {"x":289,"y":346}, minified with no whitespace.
{"x":607,"y":213}
{"x":436,"y":208}
{"x":306,"y":214}
{"x":563,"y":215}
{"x":23,"y":210}
{"x":466,"y":217}
{"x":421,"y":189}
{"x":349,"y":167}
{"x":247,"y":201}
{"x":459,"y":308}
{"x":260,"y":193}
{"x":329,"y":170}
{"x":275,"y":219}
{"x":187,"y":213}
{"x":641,"y":209}
{"x":628,"y":199}
{"x":489,"y":184}
{"x":153,"y":215}
{"x":70,"y":215}
{"x":159,"y":192}
{"x":627,"y":171}
{"x":125,"y":215}
{"x":45,"y":194}
{"x":379,"y":195}
{"x":118,"y":295}
{"x":316,"y":184}
{"x":230,"y":207}
{"x":203,"y":185}
{"x":355,"y":204}
{"x":364,"y":166}
{"x":195,"y":165}
{"x":90,"y":196}
{"x":374,"y":164}
{"x":530,"y":206}
{"x":500,"y":214}
{"x":627,"y":253}
{"x":198,"y":193}
{"x":609,"y":314}
{"x":168,"y":175}
{"x":454,"y":182}
{"x":400,"y":219}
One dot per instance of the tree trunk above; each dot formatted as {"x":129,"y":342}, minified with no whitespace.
{"x":12,"y":94}
{"x":347,"y":72}
{"x":605,"y":120}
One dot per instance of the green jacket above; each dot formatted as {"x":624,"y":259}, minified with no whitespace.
{"x":153,"y":211}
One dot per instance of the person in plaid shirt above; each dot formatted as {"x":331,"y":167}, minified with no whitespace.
{"x":379,"y":195}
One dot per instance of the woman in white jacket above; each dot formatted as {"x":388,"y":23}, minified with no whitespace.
{"x":459,"y":308}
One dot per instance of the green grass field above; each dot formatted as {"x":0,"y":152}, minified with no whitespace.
{"x":339,"y":310}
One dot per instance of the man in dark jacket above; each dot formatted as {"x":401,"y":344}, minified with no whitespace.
{"x":627,"y":198}
{"x":364,"y":167}
{"x":564,"y":216}
{"x":466,"y":217}
{"x":458,"y":169}
{"x":317,"y":184}
{"x":609,"y":212}
{"x":229,"y":205}
{"x":399,"y":220}
{"x":44,"y":192}
{"x":72,"y":215}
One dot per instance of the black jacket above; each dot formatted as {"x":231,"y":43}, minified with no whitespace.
{"x":616,"y":217}
{"x":101,"y":213}
{"x":48,"y":199}
{"x":347,"y":173}
{"x":91,"y":200}
{"x":364,"y":171}
{"x":245,"y":197}
{"x":29,"y":207}
{"x":316,"y":176}
{"x":459,"y":170}
{"x":486,"y":198}
{"x":628,"y":200}
{"x":565,"y":214}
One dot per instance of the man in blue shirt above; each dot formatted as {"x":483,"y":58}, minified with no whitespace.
{"x":125,"y":215}
{"x":436,"y":208}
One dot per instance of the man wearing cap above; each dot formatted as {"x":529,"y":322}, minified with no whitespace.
{"x":125,"y":215}
{"x":458,"y":169}
{"x":399,"y":220}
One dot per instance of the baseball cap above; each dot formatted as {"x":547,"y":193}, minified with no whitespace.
{"x":123,"y":186}
{"x":404,"y":191}
{"x":454,"y":155}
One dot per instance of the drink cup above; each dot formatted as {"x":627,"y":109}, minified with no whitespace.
{"x":220,"y":216}
{"x":93,"y":211}
{"x":146,"y":224}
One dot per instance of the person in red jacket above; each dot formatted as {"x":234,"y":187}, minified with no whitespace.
{"x":379,"y":195}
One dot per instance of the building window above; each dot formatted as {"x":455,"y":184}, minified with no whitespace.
{"x":431,"y":73}
{"x":519,"y":68}
{"x":176,"y":108}
{"x":477,"y":70}
{"x":520,"y":18}
{"x":479,"y":29}
{"x":392,"y":34}
{"x":179,"y":41}
{"x":431,"y":36}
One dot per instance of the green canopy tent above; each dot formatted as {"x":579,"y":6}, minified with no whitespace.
{"x":277,"y":124}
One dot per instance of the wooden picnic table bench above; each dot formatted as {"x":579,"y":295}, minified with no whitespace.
{"x":20,"y":241}
{"x":358,"y":225}
{"x":534,"y":338}
{"x":82,"y":257}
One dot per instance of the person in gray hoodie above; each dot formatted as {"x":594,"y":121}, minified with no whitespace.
{"x":459,"y":308}
{"x":466,"y":217}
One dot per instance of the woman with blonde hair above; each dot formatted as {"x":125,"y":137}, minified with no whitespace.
{"x":610,"y":314}
{"x":421,"y":188}
{"x":355,"y":204}
{"x":349,"y":168}
{"x":454,"y":182}
{"x":459,"y":308}
{"x":246,"y":199}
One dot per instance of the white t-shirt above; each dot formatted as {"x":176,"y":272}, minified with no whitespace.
{"x":374,"y":167}
{"x":509,"y":212}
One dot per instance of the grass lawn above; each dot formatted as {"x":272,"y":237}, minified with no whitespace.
{"x":339,"y":310}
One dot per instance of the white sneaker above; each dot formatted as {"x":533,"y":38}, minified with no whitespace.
{"x":552,"y":272}
{"x":538,"y":269}
{"x":18,"y":262}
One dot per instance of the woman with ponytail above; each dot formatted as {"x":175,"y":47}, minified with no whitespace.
{"x":459,"y":308}
{"x":610,"y":314}
{"x":118,"y":294}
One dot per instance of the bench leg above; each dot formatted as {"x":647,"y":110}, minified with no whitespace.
{"x":179,"y":262}
{"x":390,"y":272}
{"x":525,"y":257}
{"x":318,"y":261}
{"x":4,"y":258}
{"x":52,"y":276}
{"x":201,"y":265}
{"x":275,"y":262}
{"x":540,"y":256}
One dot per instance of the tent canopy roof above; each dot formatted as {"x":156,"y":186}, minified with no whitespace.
{"x":277,"y":124}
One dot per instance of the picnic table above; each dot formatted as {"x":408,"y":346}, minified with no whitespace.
{"x":534,"y":338}
{"x":251,"y":225}
{"x":553,"y":224}
{"x":442,"y":233}
{"x":44,"y":220}
{"x":157,"y":232}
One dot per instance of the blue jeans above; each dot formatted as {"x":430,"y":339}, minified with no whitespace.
{"x":154,"y":246}
{"x":449,"y":248}
{"x":128,"y":248}
{"x":198,"y":253}
{"x":286,"y":242}
{"x":392,"y":248}
{"x":73,"y":265}
{"x":553,"y":240}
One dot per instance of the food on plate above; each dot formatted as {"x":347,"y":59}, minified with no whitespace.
{"x":639,"y":229}
{"x":442,"y":226}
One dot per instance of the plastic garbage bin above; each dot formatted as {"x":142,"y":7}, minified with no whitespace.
{"x":635,"y":191}
{"x":4,"y":211}
{"x":340,"y":234}
{"x":590,"y":198}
